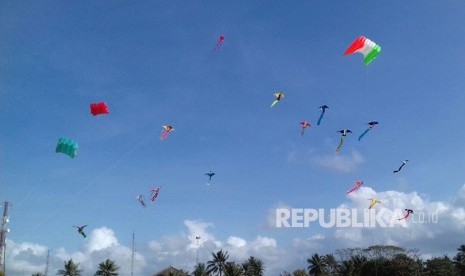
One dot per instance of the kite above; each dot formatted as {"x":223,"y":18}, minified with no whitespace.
{"x":80,"y":230}
{"x":278,"y":96}
{"x":155,"y":193}
{"x":219,"y":43}
{"x":140,"y":198}
{"x":366,"y":47}
{"x":323,"y":110}
{"x":409,"y":211}
{"x":210,"y":174}
{"x":166,"y":131}
{"x":400,"y":168}
{"x":343,"y":137}
{"x":67,"y":146}
{"x":357,"y":185}
{"x":373,"y":202}
{"x":304,"y":125}
{"x":371,"y":124}
{"x":99,"y":108}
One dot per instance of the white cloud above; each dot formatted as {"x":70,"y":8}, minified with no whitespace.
{"x":339,"y":162}
{"x":101,"y":244}
{"x":181,"y":250}
{"x":101,"y":239}
{"x":236,"y":242}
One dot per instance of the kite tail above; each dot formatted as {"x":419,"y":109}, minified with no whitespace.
{"x":274,"y":102}
{"x":321,"y":117}
{"x":363,"y":134}
{"x":340,"y":143}
{"x":217,"y":47}
{"x":164,"y":134}
{"x":83,"y":234}
{"x":302,"y":132}
{"x":351,"y":190}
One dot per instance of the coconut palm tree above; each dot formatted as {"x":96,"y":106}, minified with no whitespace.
{"x":459,"y":259}
{"x":200,"y":270}
{"x":300,"y":272}
{"x":330,"y":264}
{"x":218,"y":263}
{"x":233,"y":269}
{"x":71,"y":269}
{"x":316,"y":265}
{"x":107,"y":268}
{"x":346,"y":268}
{"x":253,"y":267}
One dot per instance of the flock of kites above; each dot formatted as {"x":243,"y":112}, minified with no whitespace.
{"x":369,"y":49}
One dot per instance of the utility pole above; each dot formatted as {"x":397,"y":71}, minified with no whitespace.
{"x":3,"y":232}
{"x":48,"y":263}
{"x":198,"y":239}
{"x":132,"y":256}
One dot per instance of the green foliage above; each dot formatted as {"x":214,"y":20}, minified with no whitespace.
{"x":217,"y":265}
{"x":200,"y":270}
{"x":70,"y":269}
{"x":107,"y":268}
{"x":440,"y":267}
{"x":299,"y":272}
{"x":253,"y":267}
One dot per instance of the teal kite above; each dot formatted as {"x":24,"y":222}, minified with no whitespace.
{"x":67,"y":146}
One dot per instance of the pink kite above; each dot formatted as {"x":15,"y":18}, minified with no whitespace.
{"x":155,"y":193}
{"x":409,"y":211}
{"x":219,"y":43}
{"x":166,"y":131}
{"x":304,"y":125}
{"x":357,"y":185}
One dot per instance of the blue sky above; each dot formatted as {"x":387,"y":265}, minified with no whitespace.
{"x":152,"y":63}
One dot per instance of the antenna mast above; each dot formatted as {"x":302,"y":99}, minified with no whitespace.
{"x":3,"y":232}
{"x":132,"y":255}
{"x":48,"y":263}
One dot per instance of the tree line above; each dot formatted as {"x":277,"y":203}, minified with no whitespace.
{"x":376,"y":260}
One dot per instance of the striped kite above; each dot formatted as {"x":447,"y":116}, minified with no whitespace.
{"x":366,"y":47}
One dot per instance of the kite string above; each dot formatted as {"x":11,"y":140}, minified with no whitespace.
{"x":80,"y":192}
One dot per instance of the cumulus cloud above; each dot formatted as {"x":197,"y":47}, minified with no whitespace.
{"x":339,"y":162}
{"x":27,"y":257}
{"x":435,"y":228}
{"x":101,"y":244}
